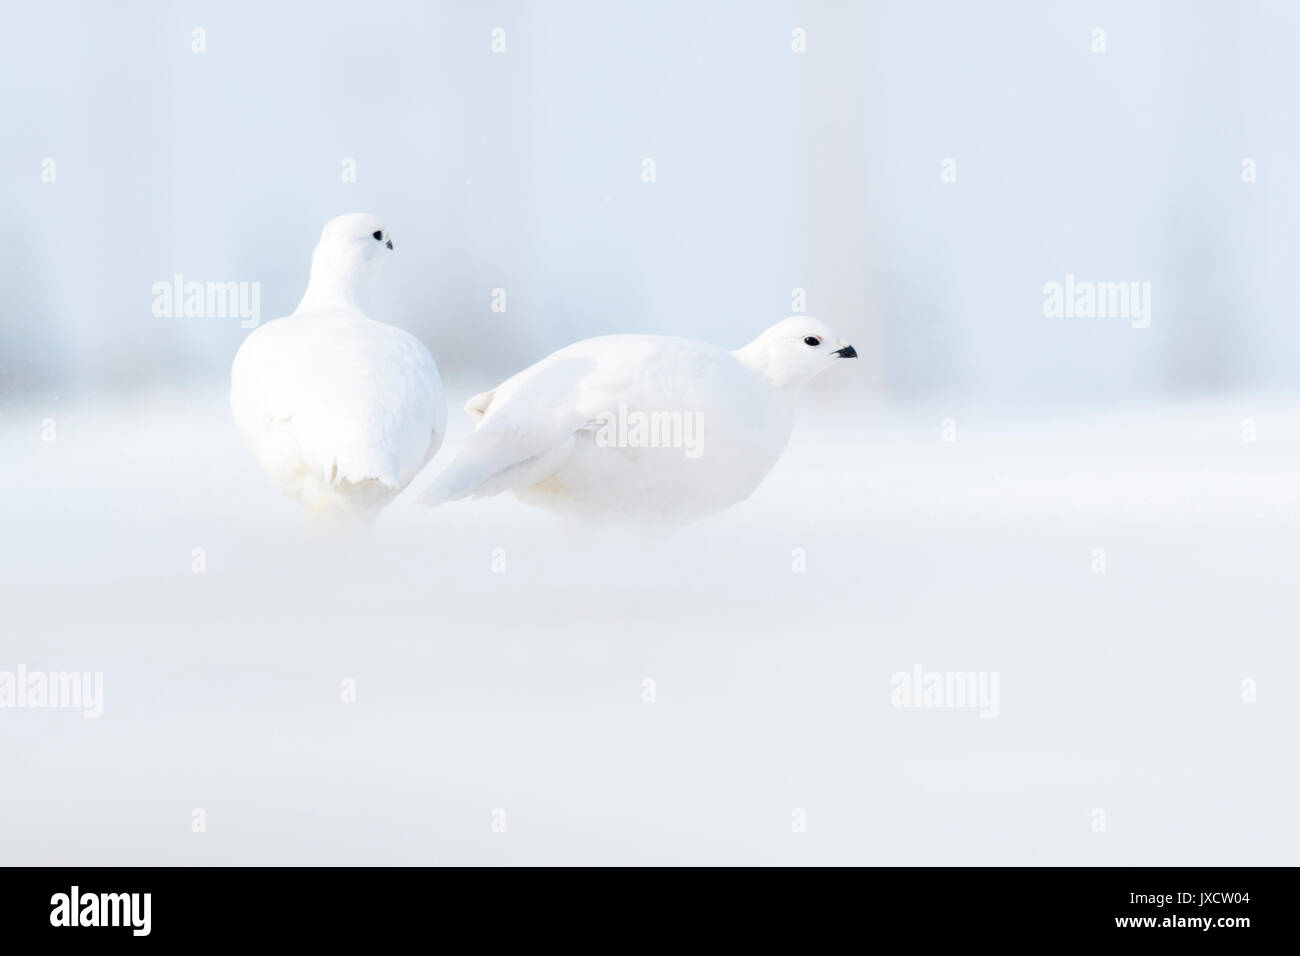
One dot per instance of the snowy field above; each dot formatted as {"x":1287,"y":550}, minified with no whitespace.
{"x":1121,"y":733}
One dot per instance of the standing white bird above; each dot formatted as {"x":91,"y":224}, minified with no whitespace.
{"x":341,"y":411}
{"x":641,"y":428}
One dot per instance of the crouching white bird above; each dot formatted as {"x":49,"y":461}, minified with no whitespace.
{"x":341,"y":411}
{"x":641,"y":428}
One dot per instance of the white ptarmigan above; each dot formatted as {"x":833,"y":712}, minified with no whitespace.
{"x":640,"y":428}
{"x":341,"y":411}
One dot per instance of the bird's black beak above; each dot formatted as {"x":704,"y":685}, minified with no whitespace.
{"x":389,"y":243}
{"x":847,"y":352}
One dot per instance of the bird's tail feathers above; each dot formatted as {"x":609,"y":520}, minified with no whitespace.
{"x":473,"y":474}
{"x":478,"y":405}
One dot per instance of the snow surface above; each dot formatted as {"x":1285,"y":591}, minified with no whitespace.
{"x":522,"y":690}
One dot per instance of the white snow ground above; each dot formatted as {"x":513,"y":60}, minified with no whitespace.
{"x":522,"y":691}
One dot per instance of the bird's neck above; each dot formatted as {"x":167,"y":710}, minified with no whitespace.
{"x":758,"y":360}
{"x":335,"y":283}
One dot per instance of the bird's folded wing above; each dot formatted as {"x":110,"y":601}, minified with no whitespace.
{"x":526,"y":428}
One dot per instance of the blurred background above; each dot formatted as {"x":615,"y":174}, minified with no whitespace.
{"x":951,"y":491}
{"x":774,"y":171}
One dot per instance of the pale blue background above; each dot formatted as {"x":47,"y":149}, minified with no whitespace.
{"x":775,"y":171}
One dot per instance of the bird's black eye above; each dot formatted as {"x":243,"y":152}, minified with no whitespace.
{"x":379,"y":235}
{"x":813,"y":341}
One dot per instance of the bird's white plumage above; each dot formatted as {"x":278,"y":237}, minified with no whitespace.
{"x":341,"y":411}
{"x":537,"y":433}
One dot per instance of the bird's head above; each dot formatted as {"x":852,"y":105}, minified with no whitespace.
{"x":795,"y":351}
{"x":349,"y":249}
{"x":358,"y":239}
{"x":352,"y":245}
